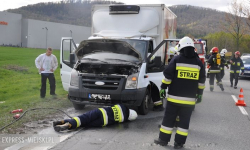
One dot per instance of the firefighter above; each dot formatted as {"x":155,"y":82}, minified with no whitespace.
{"x":185,"y":78}
{"x":223,"y":62}
{"x":207,"y":57}
{"x":97,"y":118}
{"x":171,"y":53}
{"x":214,"y":62}
{"x":236,"y":66}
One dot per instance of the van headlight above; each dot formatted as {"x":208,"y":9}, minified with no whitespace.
{"x":132,"y":81}
{"x":74,"y":79}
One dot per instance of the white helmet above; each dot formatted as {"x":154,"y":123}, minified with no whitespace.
{"x":185,"y":42}
{"x":223,"y":52}
{"x":172,"y":51}
{"x":132,"y":115}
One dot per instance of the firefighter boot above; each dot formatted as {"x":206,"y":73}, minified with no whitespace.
{"x":61,"y":127}
{"x":178,"y":145}
{"x":160,"y":142}
{"x":221,"y":87}
{"x":158,"y":108}
{"x":211,"y":89}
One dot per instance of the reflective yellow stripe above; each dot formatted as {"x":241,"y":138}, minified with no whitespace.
{"x":105,"y":117}
{"x":165,"y":131}
{"x":233,"y":63}
{"x":187,"y":68}
{"x":201,"y":87}
{"x":166,"y":81}
{"x":119,"y":113}
{"x":231,"y":71}
{"x":238,"y":63}
{"x":214,"y":71}
{"x":177,"y":118}
{"x":78,"y":121}
{"x":182,"y":133}
{"x":181,"y":101}
{"x":242,"y":67}
{"x":237,"y":71}
{"x":158,"y":103}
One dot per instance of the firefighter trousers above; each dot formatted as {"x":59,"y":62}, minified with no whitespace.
{"x":234,"y":76}
{"x":184,"y":113}
{"x":155,"y":94}
{"x":93,"y":118}
{"x":218,"y":78}
{"x":222,"y":73}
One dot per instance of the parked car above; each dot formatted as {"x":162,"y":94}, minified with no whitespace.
{"x":246,"y":62}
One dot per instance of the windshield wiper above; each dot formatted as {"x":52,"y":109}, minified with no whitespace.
{"x":93,"y":59}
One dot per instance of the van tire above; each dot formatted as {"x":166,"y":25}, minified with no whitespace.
{"x":143,"y":109}
{"x":78,"y":106}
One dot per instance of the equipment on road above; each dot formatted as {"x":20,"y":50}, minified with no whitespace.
{"x":241,"y":99}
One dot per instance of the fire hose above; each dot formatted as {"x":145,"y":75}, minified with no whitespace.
{"x":21,"y":116}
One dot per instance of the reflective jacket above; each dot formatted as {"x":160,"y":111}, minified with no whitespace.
{"x":237,"y":65}
{"x":186,"y":78}
{"x":223,"y":63}
{"x":214,"y":67}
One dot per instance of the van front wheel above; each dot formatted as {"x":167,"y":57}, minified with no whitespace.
{"x":144,"y":107}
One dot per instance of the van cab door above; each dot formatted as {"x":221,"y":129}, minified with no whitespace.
{"x":157,"y":61}
{"x":68,"y":47}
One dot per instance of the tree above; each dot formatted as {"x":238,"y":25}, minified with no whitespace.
{"x":235,"y":23}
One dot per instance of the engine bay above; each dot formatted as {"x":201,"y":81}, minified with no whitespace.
{"x":108,"y":69}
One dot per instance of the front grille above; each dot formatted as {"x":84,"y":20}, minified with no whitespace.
{"x":110,"y":82}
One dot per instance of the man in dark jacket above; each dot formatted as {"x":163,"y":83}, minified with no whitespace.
{"x":236,"y":66}
{"x":185,"y":78}
{"x":97,"y":118}
{"x":215,"y":69}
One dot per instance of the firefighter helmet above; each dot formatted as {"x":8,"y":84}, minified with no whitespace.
{"x":185,"y":42}
{"x":215,"y":50}
{"x":132,"y":115}
{"x":172,"y":51}
{"x":237,"y":53}
{"x":223,"y":52}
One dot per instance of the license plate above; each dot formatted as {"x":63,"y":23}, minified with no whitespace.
{"x":99,"y":96}
{"x":246,"y":71}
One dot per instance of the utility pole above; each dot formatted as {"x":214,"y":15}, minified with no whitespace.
{"x":70,"y":33}
{"x":46,"y":35}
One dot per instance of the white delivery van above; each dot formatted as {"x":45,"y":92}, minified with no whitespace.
{"x":123,"y":60}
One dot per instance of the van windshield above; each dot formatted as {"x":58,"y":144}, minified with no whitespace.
{"x":138,"y":45}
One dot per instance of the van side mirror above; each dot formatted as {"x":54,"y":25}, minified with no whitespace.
{"x":72,"y":58}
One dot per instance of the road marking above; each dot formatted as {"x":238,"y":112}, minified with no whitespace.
{"x":242,"y":109}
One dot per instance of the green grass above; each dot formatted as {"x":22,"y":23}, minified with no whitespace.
{"x":20,"y":84}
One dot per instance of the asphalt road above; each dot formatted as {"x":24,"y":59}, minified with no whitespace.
{"x":216,"y":124}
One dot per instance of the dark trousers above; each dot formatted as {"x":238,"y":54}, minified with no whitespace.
{"x":234,"y":76}
{"x":52,"y":82}
{"x":169,"y":119}
{"x":218,"y":78}
{"x":222,"y":73}
{"x":156,"y":96}
{"x":93,"y":118}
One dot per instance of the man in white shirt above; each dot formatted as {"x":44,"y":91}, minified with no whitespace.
{"x":46,"y":64}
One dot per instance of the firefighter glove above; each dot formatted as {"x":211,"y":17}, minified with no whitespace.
{"x":199,"y":98}
{"x":162,"y":93}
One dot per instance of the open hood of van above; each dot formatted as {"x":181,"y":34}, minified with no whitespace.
{"x":87,"y":47}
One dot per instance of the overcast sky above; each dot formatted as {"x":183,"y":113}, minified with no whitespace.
{"x":215,"y":4}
